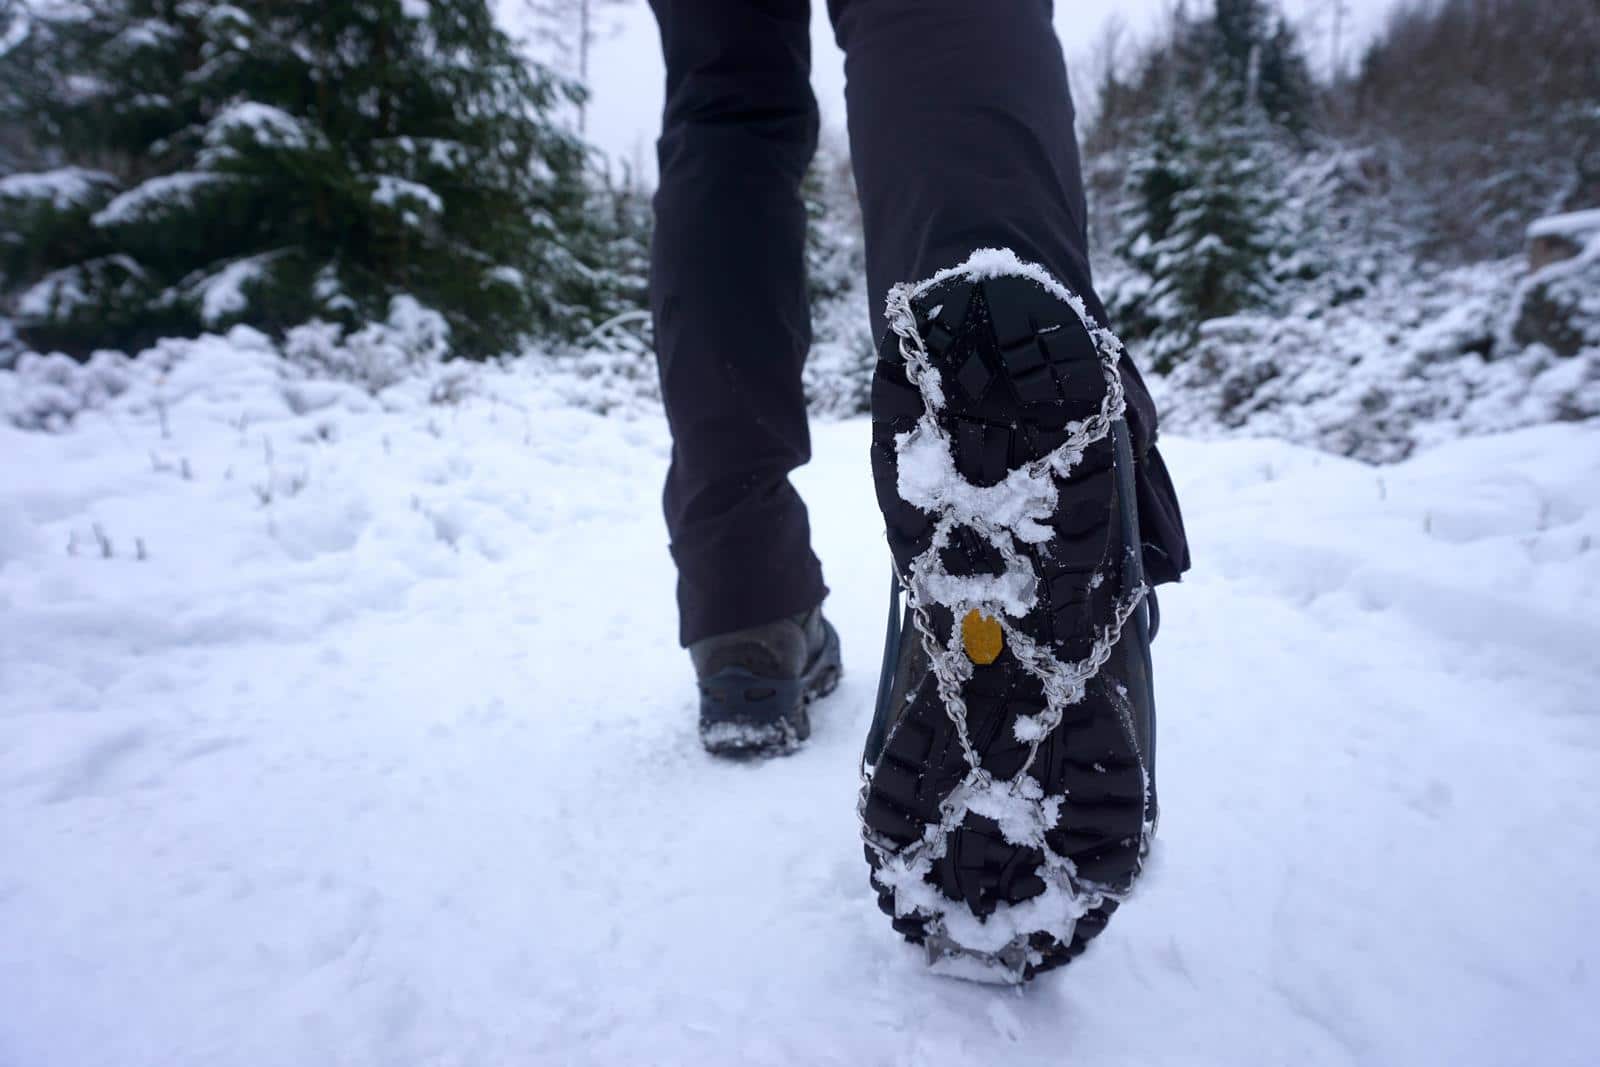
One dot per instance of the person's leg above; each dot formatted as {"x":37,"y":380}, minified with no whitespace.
{"x":961,"y":136}
{"x":732,"y":324}
{"x":1009,"y":788}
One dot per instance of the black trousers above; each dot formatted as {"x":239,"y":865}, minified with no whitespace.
{"x":961,"y":134}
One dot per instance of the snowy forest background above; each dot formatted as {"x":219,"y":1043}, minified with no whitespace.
{"x":1366,"y":260}
{"x":342,"y":714}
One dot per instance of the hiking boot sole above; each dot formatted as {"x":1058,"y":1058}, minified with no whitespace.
{"x":1016,"y":366}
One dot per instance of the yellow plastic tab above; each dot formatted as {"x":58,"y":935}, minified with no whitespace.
{"x":982,"y":637}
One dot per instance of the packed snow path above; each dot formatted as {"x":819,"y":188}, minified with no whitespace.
{"x":385,"y":754}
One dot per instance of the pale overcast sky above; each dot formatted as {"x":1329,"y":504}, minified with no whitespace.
{"x":625,"y":111}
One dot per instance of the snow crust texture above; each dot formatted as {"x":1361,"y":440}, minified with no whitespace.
{"x":348,"y":725}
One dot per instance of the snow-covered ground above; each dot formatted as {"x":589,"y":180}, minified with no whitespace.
{"x":342,"y":730}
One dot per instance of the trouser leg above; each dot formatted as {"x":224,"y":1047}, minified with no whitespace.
{"x":961,"y":134}
{"x":728,"y":294}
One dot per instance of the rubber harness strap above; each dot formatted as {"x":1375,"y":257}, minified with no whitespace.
{"x":891,"y":660}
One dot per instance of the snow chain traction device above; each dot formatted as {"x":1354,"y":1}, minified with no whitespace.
{"x":1064,"y":684}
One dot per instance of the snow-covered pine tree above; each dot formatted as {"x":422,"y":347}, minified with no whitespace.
{"x":1248,"y":52}
{"x":1160,"y":165}
{"x":1203,"y":223}
{"x":13,"y":147}
{"x":1198,"y":220}
{"x":1243,"y":49}
{"x":1225,"y":227}
{"x":272,"y":162}
{"x":96,"y":93}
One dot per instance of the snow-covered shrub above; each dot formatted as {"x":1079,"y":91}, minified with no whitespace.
{"x":1417,"y":359}
{"x":838,"y":372}
{"x":612,"y":371}
{"x":47,"y":392}
{"x":411,"y":341}
{"x":838,"y":379}
{"x":607,"y":381}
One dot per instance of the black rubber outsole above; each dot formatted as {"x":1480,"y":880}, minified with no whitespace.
{"x":1016,"y":365}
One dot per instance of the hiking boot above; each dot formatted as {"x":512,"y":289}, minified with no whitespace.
{"x":756,"y":683}
{"x":1008,"y":794}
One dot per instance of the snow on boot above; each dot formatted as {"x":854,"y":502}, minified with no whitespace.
{"x":756,"y":683}
{"x":1008,"y":793}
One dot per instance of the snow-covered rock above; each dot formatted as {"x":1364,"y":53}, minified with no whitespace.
{"x":1557,"y":237}
{"x":1558,"y":306}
